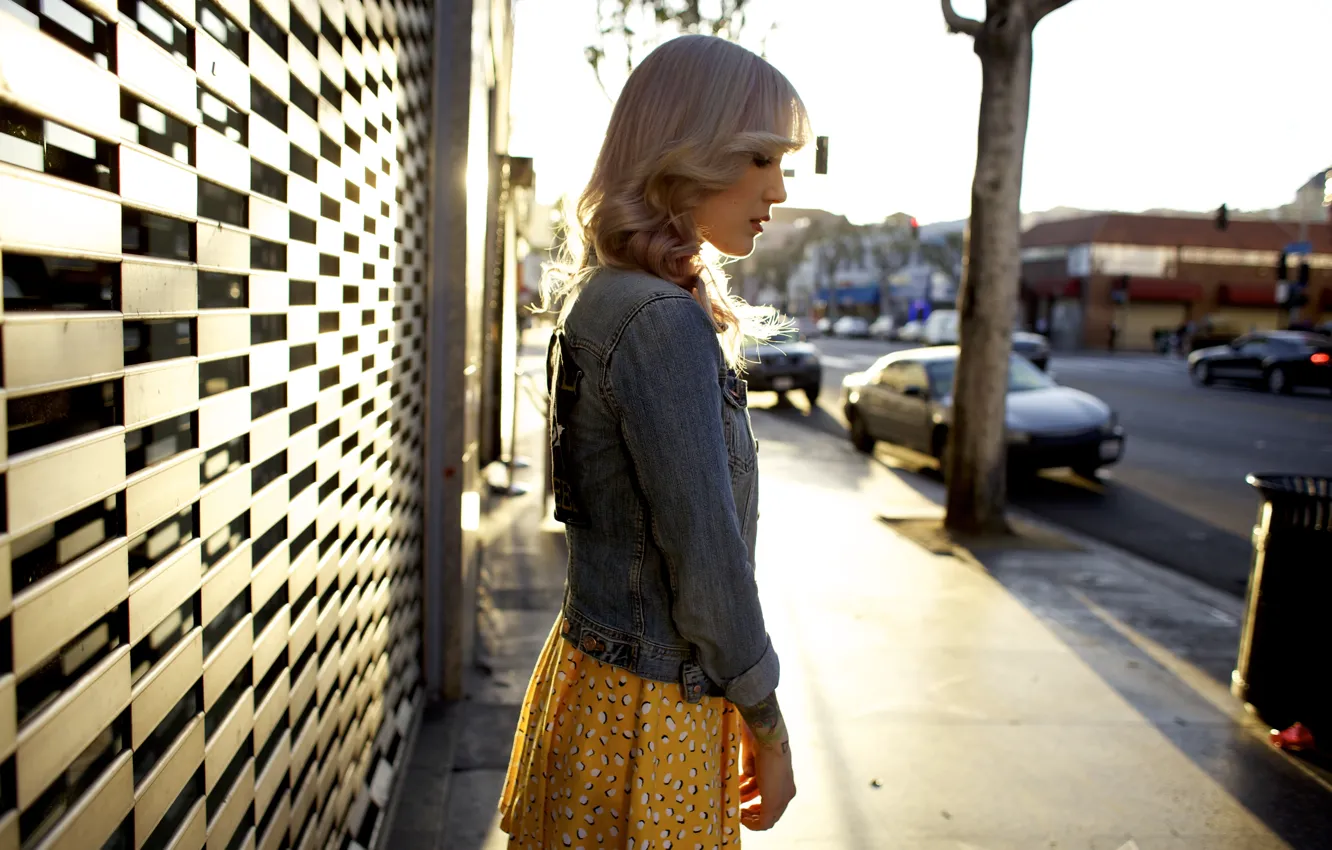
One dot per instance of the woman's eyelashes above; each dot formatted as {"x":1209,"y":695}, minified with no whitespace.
{"x":762,"y":161}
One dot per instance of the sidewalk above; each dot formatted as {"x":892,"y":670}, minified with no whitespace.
{"x":1063,"y":697}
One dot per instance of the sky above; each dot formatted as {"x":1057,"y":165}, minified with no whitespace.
{"x":1136,"y":104}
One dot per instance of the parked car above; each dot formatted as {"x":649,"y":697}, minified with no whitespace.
{"x":941,"y":328}
{"x":851,"y":327}
{"x":823,"y":326}
{"x":1034,"y":347}
{"x":911,"y":331}
{"x":784,"y":363}
{"x":906,"y":398}
{"x":1281,"y":361}
{"x":806,"y":327}
{"x":883,"y":327}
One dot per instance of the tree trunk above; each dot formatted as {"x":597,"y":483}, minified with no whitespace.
{"x":977,"y":449}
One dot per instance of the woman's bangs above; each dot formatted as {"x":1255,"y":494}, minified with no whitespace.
{"x":774,"y":116}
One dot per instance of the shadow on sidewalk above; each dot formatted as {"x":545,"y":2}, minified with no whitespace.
{"x":1214,"y":556}
{"x":1168,"y":653}
{"x":1127,"y":631}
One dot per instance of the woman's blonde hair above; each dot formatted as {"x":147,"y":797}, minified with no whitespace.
{"x":691,"y":118}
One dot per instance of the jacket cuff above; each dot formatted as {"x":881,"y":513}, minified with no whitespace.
{"x":756,"y":683}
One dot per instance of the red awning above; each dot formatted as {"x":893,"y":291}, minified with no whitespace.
{"x":1164,"y":289}
{"x":1055,"y":287}
{"x":1248,"y":294}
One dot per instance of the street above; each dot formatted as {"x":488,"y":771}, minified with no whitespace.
{"x":1178,"y":497}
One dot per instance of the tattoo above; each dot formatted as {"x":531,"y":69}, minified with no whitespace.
{"x":765,"y":721}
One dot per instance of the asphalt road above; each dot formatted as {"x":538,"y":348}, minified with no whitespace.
{"x":1178,"y":497}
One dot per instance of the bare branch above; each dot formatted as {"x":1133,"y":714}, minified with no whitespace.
{"x":959,"y":24}
{"x":1041,"y":8}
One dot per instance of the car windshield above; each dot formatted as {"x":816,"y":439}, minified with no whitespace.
{"x":1022,"y":376}
{"x":1299,"y":340}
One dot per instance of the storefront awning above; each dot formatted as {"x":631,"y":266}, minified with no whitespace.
{"x":1164,"y":289}
{"x":1247,"y":295}
{"x":1055,"y":287}
{"x":850,"y":295}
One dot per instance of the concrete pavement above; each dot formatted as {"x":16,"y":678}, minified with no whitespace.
{"x":1067,"y":698}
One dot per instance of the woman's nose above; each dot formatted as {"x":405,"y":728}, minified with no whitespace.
{"x":776,"y":191}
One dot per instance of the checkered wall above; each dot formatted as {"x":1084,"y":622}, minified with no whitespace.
{"x":213,"y":217}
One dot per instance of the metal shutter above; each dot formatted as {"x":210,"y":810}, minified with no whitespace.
{"x":213,"y":220}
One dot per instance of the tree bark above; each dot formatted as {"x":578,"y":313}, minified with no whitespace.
{"x":977,"y":447}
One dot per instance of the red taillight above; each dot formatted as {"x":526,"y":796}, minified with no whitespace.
{"x":1320,"y":358}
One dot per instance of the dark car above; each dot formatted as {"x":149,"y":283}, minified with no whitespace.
{"x":906,"y":398}
{"x":1034,"y":347}
{"x":1281,"y":361}
{"x":784,"y":363}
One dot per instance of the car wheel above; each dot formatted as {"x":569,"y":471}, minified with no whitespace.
{"x":1202,"y":374}
{"x":812,"y":393}
{"x":939,"y":448}
{"x":860,"y":437}
{"x":1277,"y":383}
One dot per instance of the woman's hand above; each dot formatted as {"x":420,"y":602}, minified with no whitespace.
{"x":767,"y":778}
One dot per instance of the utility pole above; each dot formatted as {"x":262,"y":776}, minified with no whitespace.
{"x":1308,"y":199}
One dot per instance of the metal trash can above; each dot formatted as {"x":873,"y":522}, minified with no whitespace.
{"x":1284,"y":670}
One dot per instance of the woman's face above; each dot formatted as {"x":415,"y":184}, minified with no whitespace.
{"x":731,"y":219}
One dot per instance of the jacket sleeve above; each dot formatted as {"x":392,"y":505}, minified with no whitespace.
{"x":665,"y":381}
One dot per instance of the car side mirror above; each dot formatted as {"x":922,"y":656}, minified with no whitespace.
{"x":915,"y":391}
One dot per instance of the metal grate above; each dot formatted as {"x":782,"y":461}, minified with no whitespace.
{"x":213,"y":224}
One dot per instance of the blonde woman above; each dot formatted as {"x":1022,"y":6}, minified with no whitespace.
{"x":651,"y":720}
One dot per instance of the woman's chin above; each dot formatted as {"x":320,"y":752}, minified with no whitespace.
{"x":736,"y":248}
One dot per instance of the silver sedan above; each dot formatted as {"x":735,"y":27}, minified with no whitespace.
{"x":906,"y":398}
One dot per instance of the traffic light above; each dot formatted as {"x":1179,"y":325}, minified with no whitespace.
{"x":1302,"y":276}
{"x":1222,"y":217}
{"x":915,"y":229}
{"x":1282,"y":270}
{"x":821,"y":155}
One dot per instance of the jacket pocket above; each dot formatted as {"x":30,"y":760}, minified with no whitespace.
{"x":740,"y":447}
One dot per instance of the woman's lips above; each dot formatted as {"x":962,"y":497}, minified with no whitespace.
{"x":757,"y":225}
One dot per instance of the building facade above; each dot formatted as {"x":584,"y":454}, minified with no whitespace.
{"x":1177,"y":270}
{"x":251,"y":251}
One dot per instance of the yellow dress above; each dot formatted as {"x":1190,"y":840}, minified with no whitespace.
{"x":605,"y":759}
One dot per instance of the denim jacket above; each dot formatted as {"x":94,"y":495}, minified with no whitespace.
{"x":656,"y":480}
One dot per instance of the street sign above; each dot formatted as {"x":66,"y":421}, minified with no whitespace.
{"x":1299,"y":248}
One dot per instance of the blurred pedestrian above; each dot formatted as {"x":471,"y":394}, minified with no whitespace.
{"x":652,"y":718}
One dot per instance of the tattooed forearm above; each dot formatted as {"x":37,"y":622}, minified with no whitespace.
{"x":765,"y":721}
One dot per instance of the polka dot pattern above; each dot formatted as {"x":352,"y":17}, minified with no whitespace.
{"x":605,"y":759}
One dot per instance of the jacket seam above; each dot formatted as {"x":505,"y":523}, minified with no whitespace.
{"x":606,"y":388}
{"x":636,"y":570}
